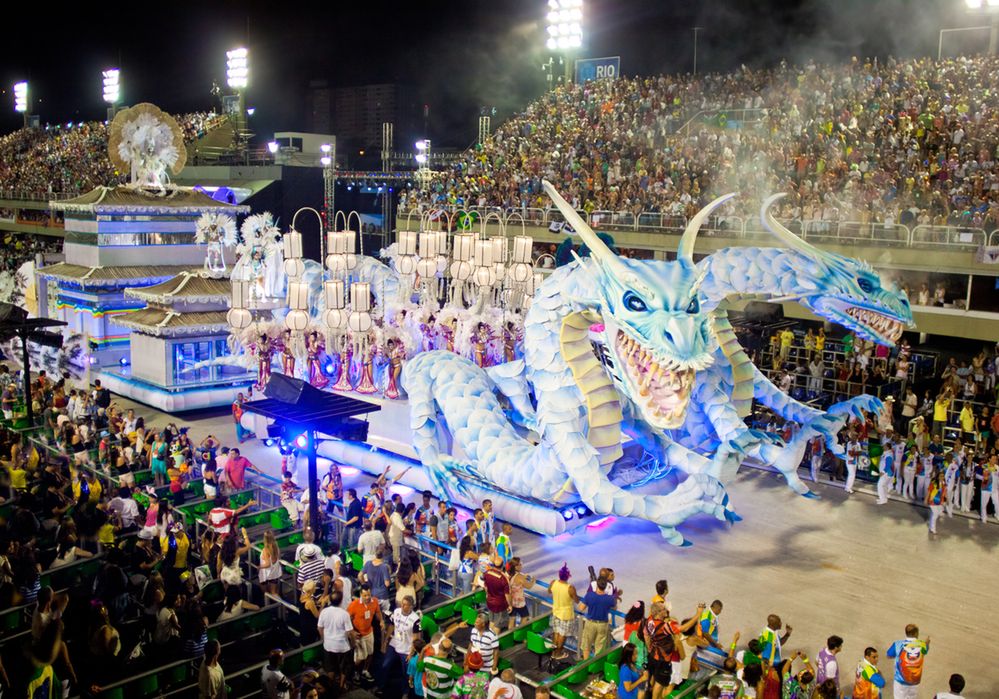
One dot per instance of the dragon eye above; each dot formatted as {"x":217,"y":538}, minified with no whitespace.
{"x":865,"y":285}
{"x":694,"y":306}
{"x":634,"y":302}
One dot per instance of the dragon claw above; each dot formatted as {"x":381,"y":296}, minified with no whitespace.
{"x":732,"y":517}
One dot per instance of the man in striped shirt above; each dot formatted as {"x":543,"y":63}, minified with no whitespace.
{"x":311,"y":564}
{"x":483,"y":640}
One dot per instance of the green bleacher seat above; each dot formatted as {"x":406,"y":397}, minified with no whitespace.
{"x":478,"y":598}
{"x":612,"y":672}
{"x":312,"y":655}
{"x":177,"y":675}
{"x":10,"y":621}
{"x":445,"y":611}
{"x":614,"y":656}
{"x":148,"y":686}
{"x":468,"y":614}
{"x":356,"y":561}
{"x":580,"y":674}
{"x":537,"y":645}
{"x":113,"y":693}
{"x":428,"y":625}
{"x":541,"y":625}
{"x":506,"y":640}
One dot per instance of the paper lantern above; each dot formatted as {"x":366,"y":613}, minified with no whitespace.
{"x":336,"y":243}
{"x":520,"y":272}
{"x":463,"y":247}
{"x":296,"y":320}
{"x":406,"y":264}
{"x":240,"y":294}
{"x":499,"y":249}
{"x":335,"y":319}
{"x":484,"y":253}
{"x":298,"y":296}
{"x":238,"y":318}
{"x":522,"y":247}
{"x":441,"y":242}
{"x":360,"y":296}
{"x":407,"y":243}
{"x":484,"y":276}
{"x":294,"y":267}
{"x":334,"y":293}
{"x":499,"y":270}
{"x":359,"y":322}
{"x":292,"y":244}
{"x":461,"y":270}
{"x":441,"y":264}
{"x":427,"y":267}
{"x":428,"y":245}
{"x":351,"y":237}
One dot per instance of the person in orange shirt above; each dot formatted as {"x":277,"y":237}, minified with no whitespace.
{"x":365,"y":613}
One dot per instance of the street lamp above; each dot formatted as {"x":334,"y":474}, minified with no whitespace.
{"x":564,"y":28}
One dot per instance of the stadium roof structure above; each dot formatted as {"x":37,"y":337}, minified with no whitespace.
{"x":124,"y":200}
{"x":186,"y":287}
{"x":110,"y":276}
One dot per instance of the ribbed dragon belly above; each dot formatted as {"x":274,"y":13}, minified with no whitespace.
{"x":603,"y":406}
{"x":742,"y":366}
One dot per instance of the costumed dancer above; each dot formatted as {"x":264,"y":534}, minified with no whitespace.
{"x":367,"y":382}
{"x":480,"y":352}
{"x":316,"y":376}
{"x":396,"y":353}
{"x":265,"y":353}
{"x":287,"y":355}
{"x":511,"y":336}
{"x":343,"y":380}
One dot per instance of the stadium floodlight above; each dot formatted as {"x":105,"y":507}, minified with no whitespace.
{"x":237,"y":68}
{"x":112,"y":87}
{"x":565,"y":24}
{"x":421,"y":145}
{"x":326,"y":148}
{"x":326,"y":161}
{"x":21,"y":97}
{"x":250,"y":111}
{"x":272,"y":146}
{"x":421,"y":158}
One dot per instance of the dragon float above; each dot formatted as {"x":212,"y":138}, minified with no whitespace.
{"x":615,"y":346}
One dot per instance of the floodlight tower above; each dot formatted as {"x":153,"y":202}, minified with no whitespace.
{"x":21,"y":101}
{"x":238,"y":77}
{"x":987,"y":9}
{"x":565,"y":30}
{"x":423,"y":160}
{"x":112,"y":90}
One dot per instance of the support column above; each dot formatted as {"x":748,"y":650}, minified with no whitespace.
{"x":313,"y":485}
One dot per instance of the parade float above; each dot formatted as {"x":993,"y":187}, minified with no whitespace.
{"x":502,"y":382}
{"x":144,"y":286}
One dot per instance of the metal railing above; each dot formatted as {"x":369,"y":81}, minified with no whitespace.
{"x":732,"y":226}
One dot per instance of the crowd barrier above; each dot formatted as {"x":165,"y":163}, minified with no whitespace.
{"x":845,"y":232}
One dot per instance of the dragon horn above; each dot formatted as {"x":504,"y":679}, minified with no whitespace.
{"x":598,"y":249}
{"x":786,"y":236}
{"x":686,"y":247}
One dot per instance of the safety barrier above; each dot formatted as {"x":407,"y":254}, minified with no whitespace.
{"x":876,"y":234}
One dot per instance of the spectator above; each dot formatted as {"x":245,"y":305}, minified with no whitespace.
{"x":597,"y":605}
{"x":365,"y":614}
{"x":909,"y":654}
{"x":483,"y":640}
{"x":868,"y":681}
{"x":274,"y":683}
{"x":474,"y":683}
{"x":211,"y":678}
{"x":956,"y":686}
{"x":337,"y":631}
{"x":630,"y":681}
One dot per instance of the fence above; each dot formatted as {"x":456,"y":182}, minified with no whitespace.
{"x":836,"y":232}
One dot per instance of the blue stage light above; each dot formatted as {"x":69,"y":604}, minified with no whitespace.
{"x":568,"y":514}
{"x":123,"y":361}
{"x":302,"y":442}
{"x":582,"y":510}
{"x":268,"y":442}
{"x":328,"y":369}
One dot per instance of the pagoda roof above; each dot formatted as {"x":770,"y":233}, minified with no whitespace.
{"x":163,"y":322}
{"x":186,"y":287}
{"x":124,"y":199}
{"x":111,"y":276}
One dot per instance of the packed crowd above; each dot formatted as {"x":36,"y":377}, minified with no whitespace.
{"x":908,"y":142}
{"x":72,"y":158}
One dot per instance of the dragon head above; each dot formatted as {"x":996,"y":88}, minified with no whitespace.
{"x":847,"y":291}
{"x":653,"y":336}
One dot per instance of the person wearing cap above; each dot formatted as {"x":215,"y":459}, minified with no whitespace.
{"x":174,"y":545}
{"x":144,"y":555}
{"x":475,"y":681}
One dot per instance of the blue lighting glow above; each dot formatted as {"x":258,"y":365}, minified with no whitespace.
{"x":268,"y":442}
{"x":302,"y":442}
{"x":582,"y":510}
{"x":123,"y":361}
{"x":568,"y":514}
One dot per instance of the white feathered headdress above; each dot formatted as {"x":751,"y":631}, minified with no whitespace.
{"x":147,"y":142}
{"x":216,"y":227}
{"x":257,"y":227}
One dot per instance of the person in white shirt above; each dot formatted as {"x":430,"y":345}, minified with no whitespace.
{"x":956,"y":684}
{"x":852,"y":459}
{"x":369,"y":542}
{"x":505,"y":686}
{"x":400,"y":629}
{"x":337,"y":632}
{"x":274,"y":683}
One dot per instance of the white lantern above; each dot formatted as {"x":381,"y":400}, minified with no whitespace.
{"x":240,"y":294}
{"x":428,"y":244}
{"x":520,"y":272}
{"x":359,"y":322}
{"x":336,"y":264}
{"x":499,"y":249}
{"x":335,"y":319}
{"x":407,"y":243}
{"x":406,"y":264}
{"x":238,"y":318}
{"x":484,"y":276}
{"x":294,"y":267}
{"x":522,"y":247}
{"x":427,"y":267}
{"x":441,"y":242}
{"x":484,"y":253}
{"x":298,"y":296}
{"x":441,"y":264}
{"x":351,"y":237}
{"x":538,"y":279}
{"x":463,"y":247}
{"x":296,"y":320}
{"x":335,"y":243}
{"x":461,"y":270}
{"x":360,"y":296}
{"x":334,"y":293}
{"x":292,"y":244}
{"x":499,"y":270}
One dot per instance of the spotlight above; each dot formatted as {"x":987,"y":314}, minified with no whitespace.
{"x":272,"y":146}
{"x":268,"y":442}
{"x":582,"y":510}
{"x":421,"y":145}
{"x":328,"y":369}
{"x":421,"y":158}
{"x":21,"y":97}
{"x":568,"y":513}
{"x":326,"y":148}
{"x":250,"y":111}
{"x":123,"y":361}
{"x":326,"y":160}
{"x":237,"y":68}
{"x":302,"y":442}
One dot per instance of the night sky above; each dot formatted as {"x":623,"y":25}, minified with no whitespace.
{"x":461,"y":55}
